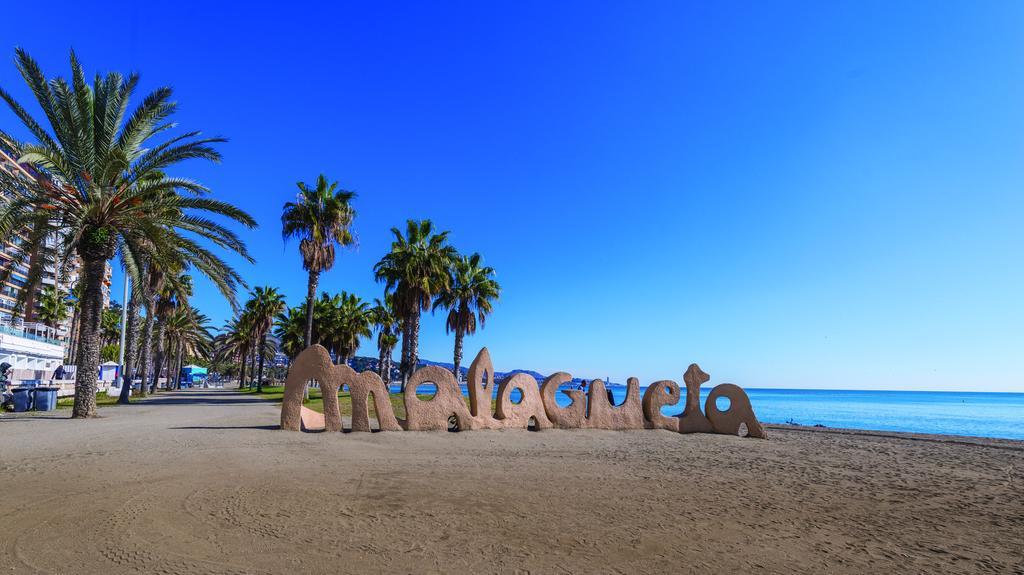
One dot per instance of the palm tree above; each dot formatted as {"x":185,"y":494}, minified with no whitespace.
{"x":187,"y":336}
{"x":386,"y":343}
{"x":467,"y":299}
{"x":150,"y":265}
{"x":53,"y":306}
{"x":131,"y":341}
{"x":154,"y":269}
{"x":415,"y":271}
{"x":349,"y":322}
{"x":320,"y":217}
{"x":220,"y":367}
{"x":98,"y":194}
{"x":233,"y":342}
{"x":246,"y":343}
{"x":110,"y":324}
{"x":264,"y":305}
{"x":175,"y":291}
{"x":290,"y":330}
{"x":387,"y":324}
{"x":108,"y":352}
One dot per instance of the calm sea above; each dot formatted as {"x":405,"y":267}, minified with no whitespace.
{"x":941,"y":412}
{"x":949,"y":413}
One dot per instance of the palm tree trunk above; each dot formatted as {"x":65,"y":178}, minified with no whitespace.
{"x":380,"y":362}
{"x":414,"y":343}
{"x":161,"y":354}
{"x":411,"y":335}
{"x":241,"y":368}
{"x":136,"y":334}
{"x":314,"y":279}
{"x":87,"y":374}
{"x":403,"y":365}
{"x":458,"y":354}
{"x":386,"y":376}
{"x":249,"y":368}
{"x":130,"y":345}
{"x":177,"y":364}
{"x":147,"y":350}
{"x":167,"y":368}
{"x":172,"y":368}
{"x":259,"y":376}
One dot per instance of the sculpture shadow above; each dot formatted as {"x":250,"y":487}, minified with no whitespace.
{"x":260,"y":427}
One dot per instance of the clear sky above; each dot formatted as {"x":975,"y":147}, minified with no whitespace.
{"x":792,"y":194}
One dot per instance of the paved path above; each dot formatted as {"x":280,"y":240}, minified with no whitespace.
{"x":201,"y":481}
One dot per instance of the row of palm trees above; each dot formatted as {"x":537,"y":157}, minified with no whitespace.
{"x":342,"y":320}
{"x":244,"y":339}
{"x":339,"y":322}
{"x":421,"y":272}
{"x":101,"y":188}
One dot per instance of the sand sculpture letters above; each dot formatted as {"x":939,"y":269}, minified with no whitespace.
{"x":537,"y":407}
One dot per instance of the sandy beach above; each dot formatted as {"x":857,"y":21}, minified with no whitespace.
{"x":203,"y":482}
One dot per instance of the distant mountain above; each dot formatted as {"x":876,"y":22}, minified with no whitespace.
{"x":529,"y":372}
{"x":465,"y":370}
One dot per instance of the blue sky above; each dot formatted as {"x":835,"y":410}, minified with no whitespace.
{"x":792,"y":194}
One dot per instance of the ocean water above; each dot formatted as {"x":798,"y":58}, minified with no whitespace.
{"x":941,"y":412}
{"x":999,"y":415}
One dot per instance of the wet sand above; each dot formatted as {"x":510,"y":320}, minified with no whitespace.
{"x":203,"y":482}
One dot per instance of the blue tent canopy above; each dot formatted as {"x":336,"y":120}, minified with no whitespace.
{"x":193,"y":373}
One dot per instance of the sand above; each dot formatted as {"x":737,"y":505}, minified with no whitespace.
{"x":203,"y":482}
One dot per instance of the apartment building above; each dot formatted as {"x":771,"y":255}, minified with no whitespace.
{"x":33,"y":348}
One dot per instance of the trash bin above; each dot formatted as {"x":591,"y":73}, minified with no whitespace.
{"x":22,"y":398}
{"x":44,"y":398}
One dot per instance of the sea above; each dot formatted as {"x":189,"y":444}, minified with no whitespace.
{"x":978,"y":414}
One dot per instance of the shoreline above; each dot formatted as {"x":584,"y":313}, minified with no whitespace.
{"x":994,"y":442}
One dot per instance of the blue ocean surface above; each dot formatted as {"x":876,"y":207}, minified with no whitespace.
{"x":998,"y":415}
{"x":941,"y":412}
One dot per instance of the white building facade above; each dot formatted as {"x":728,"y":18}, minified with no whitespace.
{"x":31,"y":355}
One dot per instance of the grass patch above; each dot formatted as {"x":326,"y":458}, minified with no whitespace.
{"x":315,"y":402}
{"x":102,"y":400}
